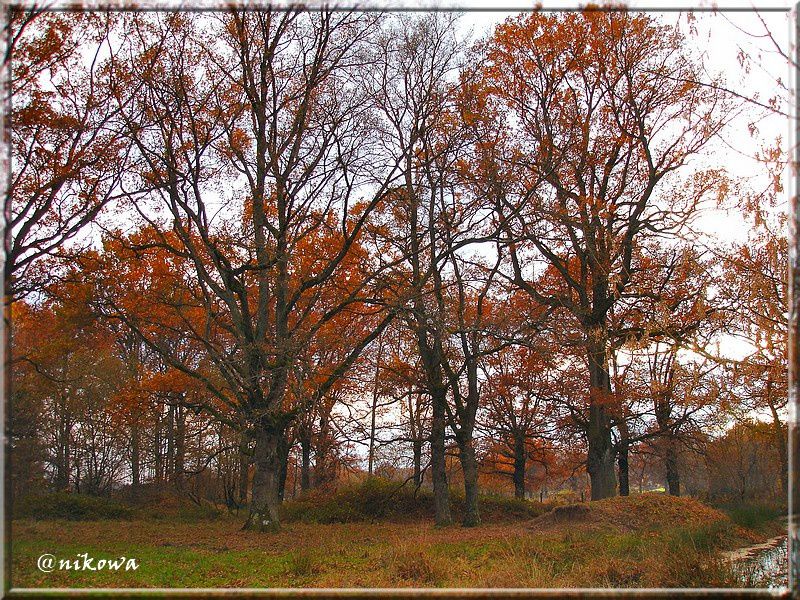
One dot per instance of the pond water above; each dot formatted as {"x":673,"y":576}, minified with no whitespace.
{"x":765,"y":567}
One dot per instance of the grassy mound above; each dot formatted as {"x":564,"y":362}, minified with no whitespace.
{"x":641,"y":511}
{"x":380,"y":499}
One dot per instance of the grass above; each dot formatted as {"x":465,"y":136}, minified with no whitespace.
{"x":759,"y":516}
{"x":652,"y":541}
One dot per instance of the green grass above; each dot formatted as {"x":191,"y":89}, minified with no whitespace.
{"x":652,"y":541}
{"x":756,"y":516}
{"x":366,"y":555}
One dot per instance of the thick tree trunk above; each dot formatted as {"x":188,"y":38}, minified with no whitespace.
{"x":266,"y":479}
{"x":671,"y":467}
{"x":441,"y":494}
{"x":305,"y":464}
{"x":519,"y":467}
{"x":601,"y":455}
{"x":469,"y":466}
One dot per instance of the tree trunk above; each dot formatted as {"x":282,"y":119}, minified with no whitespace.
{"x":375,"y":394}
{"x":266,"y":479}
{"x":180,"y":447}
{"x":781,"y":442}
{"x":244,"y":467}
{"x":283,"y":455}
{"x":441,"y":494}
{"x":622,"y":465}
{"x":63,"y":450}
{"x":622,"y":460}
{"x":469,"y":466}
{"x":519,"y":467}
{"x":417,"y":449}
{"x":157,"y":456}
{"x":305,"y":465}
{"x":170,"y":458}
{"x":600,"y":459}
{"x":671,"y":467}
{"x":135,"y":459}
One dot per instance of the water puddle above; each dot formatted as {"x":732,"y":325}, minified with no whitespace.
{"x":762,"y":566}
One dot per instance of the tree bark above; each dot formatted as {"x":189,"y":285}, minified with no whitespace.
{"x":375,"y":394}
{"x":622,"y":465}
{"x":600,"y":459}
{"x":519,"y":467}
{"x":244,"y":468}
{"x":180,"y":447}
{"x":135,"y":459}
{"x":283,"y":455}
{"x":266,"y":479}
{"x":157,"y":455}
{"x":170,"y":458}
{"x":469,"y":466}
{"x":622,"y":459}
{"x":671,"y":467}
{"x":417,"y":449}
{"x":441,"y":493}
{"x":305,"y":465}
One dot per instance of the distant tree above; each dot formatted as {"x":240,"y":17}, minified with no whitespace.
{"x":520,"y":409}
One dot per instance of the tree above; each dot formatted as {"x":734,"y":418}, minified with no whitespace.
{"x":520,"y":408}
{"x":603,"y":114}
{"x":418,"y":61}
{"x":67,"y":153}
{"x":756,"y":284}
{"x":277,"y":106}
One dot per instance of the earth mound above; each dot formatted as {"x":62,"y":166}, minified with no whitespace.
{"x":641,"y":511}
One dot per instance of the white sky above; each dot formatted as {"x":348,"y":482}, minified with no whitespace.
{"x":719,"y":38}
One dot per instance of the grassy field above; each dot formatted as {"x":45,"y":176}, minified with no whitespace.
{"x":642,"y":541}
